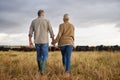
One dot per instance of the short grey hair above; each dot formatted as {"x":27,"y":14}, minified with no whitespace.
{"x":40,"y":11}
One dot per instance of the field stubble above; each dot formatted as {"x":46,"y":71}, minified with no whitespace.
{"x":84,"y":66}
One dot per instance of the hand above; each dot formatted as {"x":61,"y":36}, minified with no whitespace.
{"x":31,"y":44}
{"x":53,"y":42}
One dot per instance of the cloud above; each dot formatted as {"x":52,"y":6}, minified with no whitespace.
{"x":98,"y":35}
{"x":118,"y":25}
{"x":16,"y":15}
{"x":83,"y":13}
{"x":13,"y":39}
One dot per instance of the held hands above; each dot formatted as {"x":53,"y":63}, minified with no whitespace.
{"x":53,"y":42}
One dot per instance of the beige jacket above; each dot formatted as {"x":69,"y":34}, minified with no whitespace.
{"x":40,"y":28}
{"x":66,"y":34}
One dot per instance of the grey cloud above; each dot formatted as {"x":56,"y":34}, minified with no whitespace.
{"x":6,"y":23}
{"x":9,"y":26}
{"x":88,"y":12}
{"x":118,"y":26}
{"x":11,"y":5}
{"x":83,"y":12}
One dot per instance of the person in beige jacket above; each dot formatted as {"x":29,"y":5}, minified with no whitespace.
{"x":65,"y":39}
{"x":40,"y":27}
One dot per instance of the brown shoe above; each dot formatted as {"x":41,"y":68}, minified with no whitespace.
{"x":67,"y":75}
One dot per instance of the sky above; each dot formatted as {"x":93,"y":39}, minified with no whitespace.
{"x":97,"y":22}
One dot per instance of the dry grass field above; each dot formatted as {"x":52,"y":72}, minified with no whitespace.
{"x":85,"y":66}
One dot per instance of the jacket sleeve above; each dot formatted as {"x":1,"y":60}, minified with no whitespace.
{"x":59,"y":33}
{"x":50,"y":30}
{"x":31,"y":29}
{"x":73,"y":32}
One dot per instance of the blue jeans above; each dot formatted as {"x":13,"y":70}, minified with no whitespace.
{"x":42,"y":52}
{"x":66,"y":52}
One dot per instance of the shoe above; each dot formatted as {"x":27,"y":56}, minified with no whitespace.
{"x":67,"y":75}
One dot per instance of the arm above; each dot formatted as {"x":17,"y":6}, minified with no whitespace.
{"x":51,"y":31}
{"x":30,"y":41}
{"x":59,"y":35}
{"x":73,"y":32}
{"x":31,"y":30}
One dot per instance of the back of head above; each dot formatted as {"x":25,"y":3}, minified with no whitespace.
{"x":66,"y":17}
{"x":40,"y":13}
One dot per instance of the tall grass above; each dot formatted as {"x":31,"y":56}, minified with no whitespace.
{"x":84,"y":66}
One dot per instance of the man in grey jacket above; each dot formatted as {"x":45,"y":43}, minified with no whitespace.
{"x":40,"y":28}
